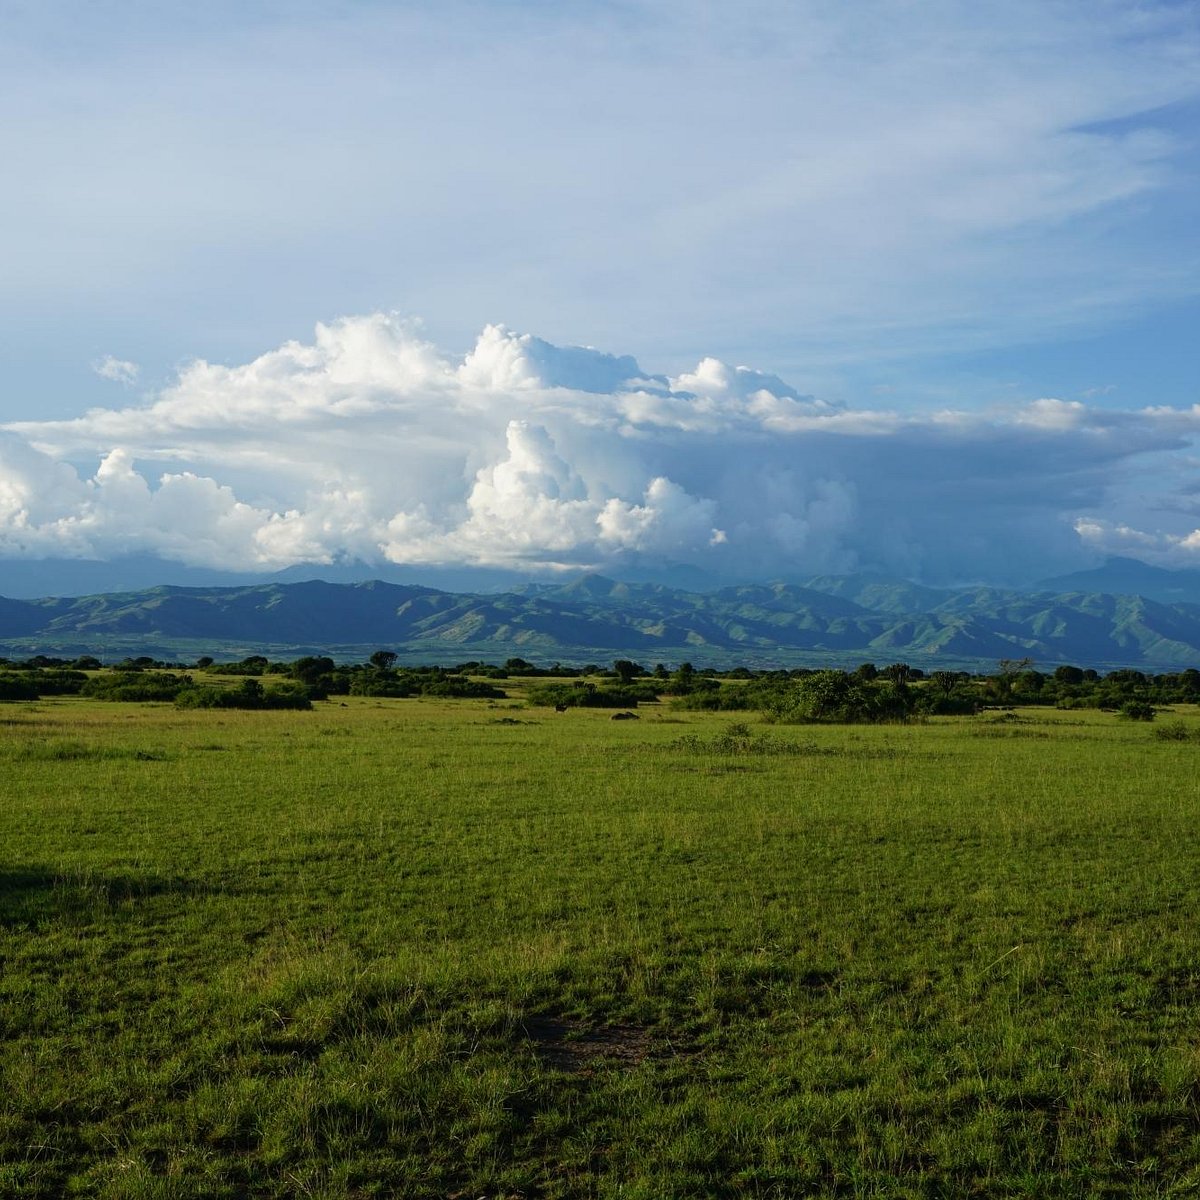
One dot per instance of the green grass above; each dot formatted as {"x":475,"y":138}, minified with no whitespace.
{"x":409,"y":948}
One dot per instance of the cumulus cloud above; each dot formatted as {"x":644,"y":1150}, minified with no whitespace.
{"x":370,"y":443}
{"x":1158,"y":546}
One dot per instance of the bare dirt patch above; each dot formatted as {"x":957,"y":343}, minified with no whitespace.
{"x":571,"y":1046}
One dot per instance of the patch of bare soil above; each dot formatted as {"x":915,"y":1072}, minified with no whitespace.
{"x":572,"y":1046}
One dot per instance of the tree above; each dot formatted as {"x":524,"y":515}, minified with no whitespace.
{"x":823,"y":696}
{"x":683,"y":682}
{"x":384,"y":660}
{"x":311,"y":668}
{"x":627,"y":671}
{"x":945,"y":681}
{"x":1006,"y":674}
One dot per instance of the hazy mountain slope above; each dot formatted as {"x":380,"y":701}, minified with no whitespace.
{"x":877,"y":593}
{"x":591,"y":614}
{"x":1130,"y":577}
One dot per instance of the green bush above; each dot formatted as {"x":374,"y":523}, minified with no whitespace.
{"x":384,"y":683}
{"x":135,"y":686}
{"x":30,"y":684}
{"x":1136,"y":710}
{"x":1173,"y":731}
{"x":722,"y":700}
{"x":59,"y":683}
{"x":835,"y":697}
{"x":458,"y":687}
{"x":582,"y":695}
{"x":17,"y":687}
{"x":250,"y":694}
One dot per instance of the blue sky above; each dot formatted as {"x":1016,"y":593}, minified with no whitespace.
{"x":900,"y":209}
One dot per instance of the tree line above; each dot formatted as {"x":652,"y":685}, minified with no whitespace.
{"x":896,"y":691}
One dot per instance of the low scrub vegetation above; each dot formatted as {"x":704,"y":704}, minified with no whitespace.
{"x":581,"y":694}
{"x":135,"y":686}
{"x":738,"y":739}
{"x":250,"y":694}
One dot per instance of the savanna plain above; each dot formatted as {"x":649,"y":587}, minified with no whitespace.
{"x":467,"y":949}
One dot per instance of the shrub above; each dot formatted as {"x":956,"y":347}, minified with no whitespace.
{"x":456,"y":687}
{"x":1136,"y":710}
{"x":135,"y":686}
{"x":1173,"y":731}
{"x":249,"y":694}
{"x":254,"y":665}
{"x":582,"y":695}
{"x":59,"y":683}
{"x":17,"y":687}
{"x":724,"y":700}
{"x":947,"y":706}
{"x":834,"y":696}
{"x":389,"y":684}
{"x":737,"y":739}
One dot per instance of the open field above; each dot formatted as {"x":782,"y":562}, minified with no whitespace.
{"x":462,"y":949}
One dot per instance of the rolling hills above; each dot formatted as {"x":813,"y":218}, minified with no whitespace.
{"x":827,"y":619}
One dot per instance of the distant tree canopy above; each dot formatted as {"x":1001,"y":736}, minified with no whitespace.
{"x":869,"y":693}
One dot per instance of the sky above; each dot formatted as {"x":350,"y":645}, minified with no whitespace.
{"x":894,"y":286}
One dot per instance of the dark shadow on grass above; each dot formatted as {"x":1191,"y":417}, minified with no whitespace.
{"x":33,"y":895}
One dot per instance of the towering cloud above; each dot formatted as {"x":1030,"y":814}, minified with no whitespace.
{"x":369,"y":443}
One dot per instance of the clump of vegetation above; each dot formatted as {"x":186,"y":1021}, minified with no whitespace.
{"x":581,"y":694}
{"x":737,"y":739}
{"x":31,"y":684}
{"x":135,"y":686}
{"x":66,"y":750}
{"x":248,"y":694}
{"x":398,"y":685}
{"x":17,"y":687}
{"x":1137,"y":710}
{"x":838,"y":698}
{"x":1174,"y":731}
{"x":457,"y":687}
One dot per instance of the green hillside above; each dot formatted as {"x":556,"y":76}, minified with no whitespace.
{"x":831,"y":619}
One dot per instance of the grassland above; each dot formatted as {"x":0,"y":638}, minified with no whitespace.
{"x":461,"y":949}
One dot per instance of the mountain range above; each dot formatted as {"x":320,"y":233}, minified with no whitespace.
{"x":831,"y":620}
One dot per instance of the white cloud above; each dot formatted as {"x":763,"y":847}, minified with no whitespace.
{"x":1161,"y":548}
{"x":368,"y":442}
{"x":116,"y":369}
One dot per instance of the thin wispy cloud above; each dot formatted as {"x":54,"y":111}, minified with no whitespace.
{"x":811,"y":185}
{"x":117,"y":370}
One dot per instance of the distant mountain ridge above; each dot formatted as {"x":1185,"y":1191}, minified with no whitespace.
{"x":1131,"y":577}
{"x":831,"y":619}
